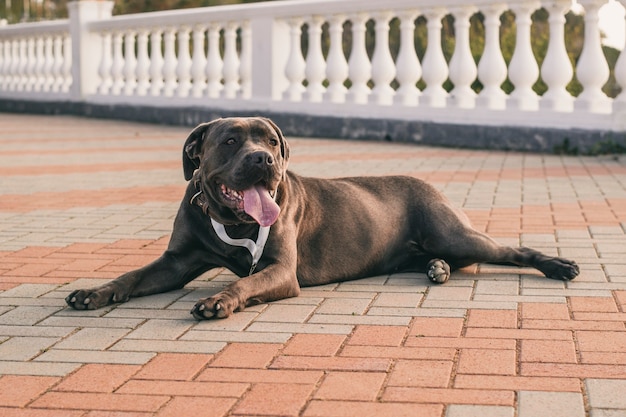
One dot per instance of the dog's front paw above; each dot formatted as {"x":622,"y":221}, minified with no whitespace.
{"x":438,"y":271}
{"x":561,"y":269}
{"x":219,"y":306}
{"x":95,"y":298}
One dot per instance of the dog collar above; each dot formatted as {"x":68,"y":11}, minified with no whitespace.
{"x":255,"y":248}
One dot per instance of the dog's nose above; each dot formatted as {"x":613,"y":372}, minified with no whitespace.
{"x":261,"y":158}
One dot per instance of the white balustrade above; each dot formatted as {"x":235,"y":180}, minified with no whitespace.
{"x":213,"y":56}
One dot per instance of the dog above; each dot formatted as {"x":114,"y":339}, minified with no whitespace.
{"x":278,"y":231}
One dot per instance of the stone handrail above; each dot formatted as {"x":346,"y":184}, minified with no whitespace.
{"x":270,"y":57}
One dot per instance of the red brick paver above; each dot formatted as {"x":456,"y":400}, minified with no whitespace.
{"x":86,"y":200}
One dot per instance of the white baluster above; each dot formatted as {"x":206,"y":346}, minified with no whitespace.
{"x":48,"y":64}
{"x":294,"y":70}
{"x":57,"y":70}
{"x":156,"y":62}
{"x":463,"y":70}
{"x":183,"y":69}
{"x":619,"y":104}
{"x":130,"y":63}
{"x":143,"y":64}
{"x":336,"y":64}
{"x":41,"y":63}
{"x":408,"y":67}
{"x":106,"y":63}
{"x":214,"y":63}
{"x":198,"y":62}
{"x":2,"y":63}
{"x":231,"y":62}
{"x":556,"y":70}
{"x":117,"y":67}
{"x":359,"y":65}
{"x":315,"y":65}
{"x":23,"y":63}
{"x":592,"y":70}
{"x":66,"y":70}
{"x":383,"y":67}
{"x":492,"y":67}
{"x":245,"y":65}
{"x":434,"y":65}
{"x":169,"y":64}
{"x":15,"y":63}
{"x":523,"y":68}
{"x":32,"y":64}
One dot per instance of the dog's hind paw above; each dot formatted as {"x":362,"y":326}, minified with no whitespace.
{"x":438,"y":271}
{"x":561,"y":269}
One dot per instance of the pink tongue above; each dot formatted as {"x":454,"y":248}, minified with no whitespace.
{"x":258,"y":203}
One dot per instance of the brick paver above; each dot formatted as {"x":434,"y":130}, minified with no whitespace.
{"x":82,"y":201}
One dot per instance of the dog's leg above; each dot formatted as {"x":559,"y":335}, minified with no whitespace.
{"x":471,"y":246}
{"x":273,"y":283}
{"x":167,"y":273}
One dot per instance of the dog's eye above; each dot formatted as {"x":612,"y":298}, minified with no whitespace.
{"x":230,"y":141}
{"x":273,"y":142}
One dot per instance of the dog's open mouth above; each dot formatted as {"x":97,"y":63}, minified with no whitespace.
{"x":256,"y":201}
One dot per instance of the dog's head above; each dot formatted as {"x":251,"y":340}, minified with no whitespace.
{"x":240,"y":162}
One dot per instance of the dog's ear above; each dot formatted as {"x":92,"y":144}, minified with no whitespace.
{"x":193,"y":148}
{"x":284,"y":146}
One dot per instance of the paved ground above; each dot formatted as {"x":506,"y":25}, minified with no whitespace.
{"x":82,"y":201}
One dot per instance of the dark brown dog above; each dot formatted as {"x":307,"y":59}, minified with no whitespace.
{"x":322,"y":231}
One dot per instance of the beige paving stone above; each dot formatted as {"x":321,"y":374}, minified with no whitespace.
{"x":37,"y":368}
{"x":352,"y":306}
{"x":20,"y":348}
{"x":457,"y":410}
{"x":92,"y":338}
{"x":553,"y":404}
{"x":95,"y":356}
{"x":178,"y":346}
{"x":607,"y":393}
{"x":27,"y":315}
{"x":156,"y":329}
